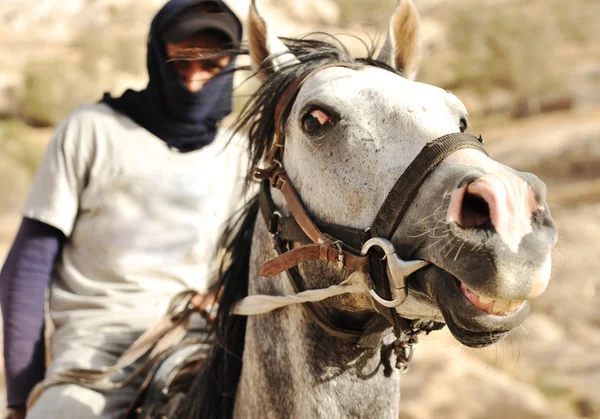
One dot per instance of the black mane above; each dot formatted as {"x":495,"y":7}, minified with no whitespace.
{"x":213,"y":393}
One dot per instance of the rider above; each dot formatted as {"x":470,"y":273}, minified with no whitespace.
{"x":123,"y":214}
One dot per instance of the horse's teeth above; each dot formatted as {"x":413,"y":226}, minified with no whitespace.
{"x":506,"y":306}
{"x":514,"y":306}
{"x":495,"y":306}
{"x":500,"y":306}
{"x":485,"y":300}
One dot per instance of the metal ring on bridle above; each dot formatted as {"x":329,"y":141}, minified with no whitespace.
{"x":397,"y":269}
{"x":340,"y":257}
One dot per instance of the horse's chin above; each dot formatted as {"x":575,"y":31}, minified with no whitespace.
{"x":470,"y":325}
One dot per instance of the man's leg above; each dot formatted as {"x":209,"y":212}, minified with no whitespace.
{"x":72,"y":401}
{"x":99,"y":350}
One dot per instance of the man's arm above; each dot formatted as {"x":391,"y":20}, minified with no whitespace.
{"x":23,"y":282}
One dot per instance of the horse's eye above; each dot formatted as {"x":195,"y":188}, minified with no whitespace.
{"x":464,"y":124}
{"x":315,"y":120}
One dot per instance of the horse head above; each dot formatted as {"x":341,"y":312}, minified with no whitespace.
{"x":352,"y":130}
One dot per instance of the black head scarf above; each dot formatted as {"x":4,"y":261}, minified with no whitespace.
{"x":184,"y":120}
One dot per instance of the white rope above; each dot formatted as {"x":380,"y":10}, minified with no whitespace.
{"x":261,"y":304}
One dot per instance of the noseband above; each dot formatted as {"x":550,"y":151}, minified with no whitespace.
{"x":369,"y":251}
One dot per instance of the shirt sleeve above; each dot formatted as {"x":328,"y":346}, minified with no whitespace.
{"x":23,"y":282}
{"x":59,"y":182}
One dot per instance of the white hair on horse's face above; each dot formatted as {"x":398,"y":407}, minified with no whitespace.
{"x":376,"y":123}
{"x":381,"y":122}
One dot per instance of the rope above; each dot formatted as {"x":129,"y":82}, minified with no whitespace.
{"x":260,"y":304}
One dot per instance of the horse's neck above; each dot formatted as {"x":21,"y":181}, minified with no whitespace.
{"x":293,"y":368}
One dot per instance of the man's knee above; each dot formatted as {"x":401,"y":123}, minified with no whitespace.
{"x":73,"y":401}
{"x":67,"y":401}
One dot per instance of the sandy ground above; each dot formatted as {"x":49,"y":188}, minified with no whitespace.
{"x":550,"y":367}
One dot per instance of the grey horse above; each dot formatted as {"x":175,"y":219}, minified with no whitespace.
{"x":352,"y":127}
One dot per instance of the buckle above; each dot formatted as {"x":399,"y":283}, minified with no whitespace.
{"x":273,"y":224}
{"x":266,"y":173}
{"x":340,"y":256}
{"x":404,"y":350}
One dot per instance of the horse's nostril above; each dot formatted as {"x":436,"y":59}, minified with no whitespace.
{"x":499,"y":204}
{"x":474,"y":212}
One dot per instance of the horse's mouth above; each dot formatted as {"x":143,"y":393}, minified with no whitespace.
{"x":473,"y":320}
{"x":494,"y":306}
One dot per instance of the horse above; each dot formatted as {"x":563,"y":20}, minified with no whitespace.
{"x":371,"y":192}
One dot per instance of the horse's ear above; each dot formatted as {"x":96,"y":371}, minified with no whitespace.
{"x":402,"y":48}
{"x":267,"y":51}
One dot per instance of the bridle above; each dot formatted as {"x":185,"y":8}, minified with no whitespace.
{"x":369,"y":252}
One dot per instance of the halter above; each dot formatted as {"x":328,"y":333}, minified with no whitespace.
{"x":367,"y":252}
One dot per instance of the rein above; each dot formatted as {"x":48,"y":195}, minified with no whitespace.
{"x":383,"y":274}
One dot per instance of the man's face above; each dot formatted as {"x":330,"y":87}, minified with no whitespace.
{"x":194,"y":73}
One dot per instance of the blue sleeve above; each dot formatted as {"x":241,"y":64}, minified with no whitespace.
{"x":23,"y":283}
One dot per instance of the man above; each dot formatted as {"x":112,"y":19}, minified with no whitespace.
{"x":123,"y":214}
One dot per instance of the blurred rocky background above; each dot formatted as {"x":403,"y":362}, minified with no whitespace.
{"x":529,"y":73}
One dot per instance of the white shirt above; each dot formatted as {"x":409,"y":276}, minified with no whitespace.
{"x":142,"y":220}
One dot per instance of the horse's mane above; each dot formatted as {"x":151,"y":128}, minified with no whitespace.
{"x":213,"y":393}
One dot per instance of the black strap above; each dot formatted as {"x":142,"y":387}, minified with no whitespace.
{"x":397,"y":202}
{"x":367,"y":337}
{"x":404,"y":191}
{"x":288,"y":229}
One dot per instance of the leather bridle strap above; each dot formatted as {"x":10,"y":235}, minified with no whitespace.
{"x":367,"y":337}
{"x":281,"y":181}
{"x":288,"y":230}
{"x":407,"y":186}
{"x":324,"y":247}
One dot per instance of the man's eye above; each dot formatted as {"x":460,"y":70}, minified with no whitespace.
{"x":211,"y":65}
